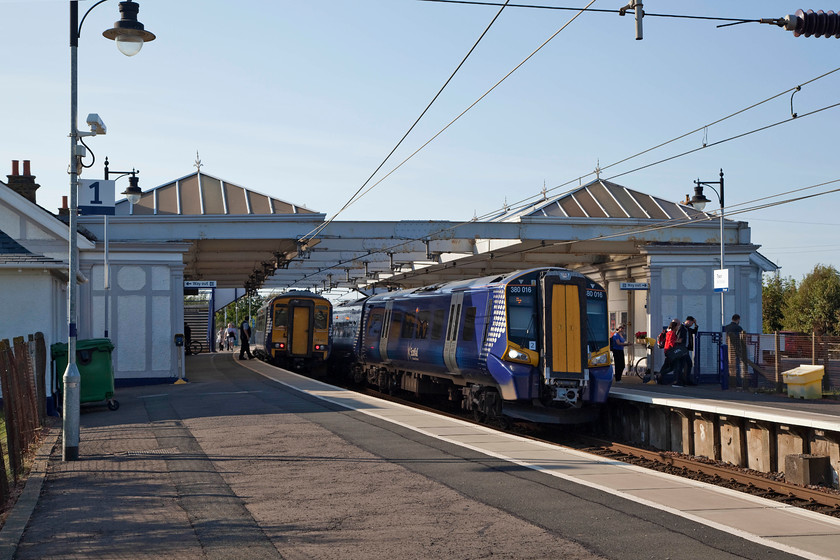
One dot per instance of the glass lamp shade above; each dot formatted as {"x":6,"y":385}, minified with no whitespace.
{"x":129,"y":45}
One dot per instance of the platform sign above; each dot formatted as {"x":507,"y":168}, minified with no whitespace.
{"x":96,"y":197}
{"x":635,"y":286}
{"x":722,"y":280}
{"x":199,"y":283}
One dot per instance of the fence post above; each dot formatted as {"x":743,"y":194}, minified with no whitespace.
{"x":813,"y":348}
{"x":778,"y":368}
{"x":9,"y":409}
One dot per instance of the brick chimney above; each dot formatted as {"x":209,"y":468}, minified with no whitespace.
{"x":23,"y":184}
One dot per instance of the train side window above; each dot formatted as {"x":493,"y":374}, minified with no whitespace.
{"x":375,"y":325}
{"x":469,"y":324}
{"x":422,"y":324}
{"x":407,"y":330}
{"x":437,"y":324}
{"x":280,"y":316}
{"x":395,"y":323}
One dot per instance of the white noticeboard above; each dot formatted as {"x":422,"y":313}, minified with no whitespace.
{"x":96,"y":197}
{"x":722,"y":280}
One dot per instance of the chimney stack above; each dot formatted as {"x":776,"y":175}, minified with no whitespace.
{"x":64,"y":210}
{"x":25,"y":184}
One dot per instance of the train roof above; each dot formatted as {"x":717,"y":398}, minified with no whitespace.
{"x":460,"y":285}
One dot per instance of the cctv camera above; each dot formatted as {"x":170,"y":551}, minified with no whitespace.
{"x":96,"y":125}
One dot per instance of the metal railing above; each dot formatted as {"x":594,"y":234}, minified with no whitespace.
{"x":759,"y":360}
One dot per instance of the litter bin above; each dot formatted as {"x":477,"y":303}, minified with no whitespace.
{"x":93,"y":358}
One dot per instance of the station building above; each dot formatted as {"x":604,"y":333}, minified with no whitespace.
{"x":202,"y":228}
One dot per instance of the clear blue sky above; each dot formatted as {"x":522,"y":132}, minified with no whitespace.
{"x":302,"y":101}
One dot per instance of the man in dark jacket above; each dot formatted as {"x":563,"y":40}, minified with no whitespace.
{"x":245,"y":339}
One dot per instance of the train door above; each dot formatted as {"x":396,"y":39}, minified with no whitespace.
{"x":450,"y":345}
{"x":385,"y":333}
{"x":563,"y":326}
{"x":300,"y":337}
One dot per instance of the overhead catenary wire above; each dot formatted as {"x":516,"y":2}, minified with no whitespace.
{"x":594,"y":10}
{"x":394,"y":149}
{"x":464,"y":112}
{"x":659,"y":225}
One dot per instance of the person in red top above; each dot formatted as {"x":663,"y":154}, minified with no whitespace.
{"x":671,"y":341}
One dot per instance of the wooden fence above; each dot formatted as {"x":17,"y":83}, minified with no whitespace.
{"x":23,"y":367}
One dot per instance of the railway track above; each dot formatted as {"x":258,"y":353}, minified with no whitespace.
{"x":767,"y":485}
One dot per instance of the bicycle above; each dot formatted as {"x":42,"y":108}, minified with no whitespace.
{"x":642,"y":367}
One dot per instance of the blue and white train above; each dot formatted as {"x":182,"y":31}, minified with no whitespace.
{"x":532,"y":344}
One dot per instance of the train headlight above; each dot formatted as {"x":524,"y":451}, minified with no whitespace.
{"x":600,"y":358}
{"x":515,"y":353}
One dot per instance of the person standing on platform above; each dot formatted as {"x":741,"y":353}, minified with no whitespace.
{"x":244,"y":339}
{"x":231,"y":336}
{"x":671,"y":362}
{"x":733,"y":338}
{"x":617,"y":343}
{"x":685,"y":342}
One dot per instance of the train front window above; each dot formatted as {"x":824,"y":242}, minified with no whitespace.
{"x":597,"y":333}
{"x":281,"y":314}
{"x":522,"y":315}
{"x":321,"y":315}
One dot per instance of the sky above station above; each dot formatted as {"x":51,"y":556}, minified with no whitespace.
{"x":304,"y":100}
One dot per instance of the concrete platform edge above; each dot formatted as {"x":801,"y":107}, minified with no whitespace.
{"x":18,"y":518}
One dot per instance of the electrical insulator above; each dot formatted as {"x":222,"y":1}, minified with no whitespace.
{"x":819,"y":24}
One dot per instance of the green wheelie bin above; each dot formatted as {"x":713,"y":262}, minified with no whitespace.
{"x":93,"y":358}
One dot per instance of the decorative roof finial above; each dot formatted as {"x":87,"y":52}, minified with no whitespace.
{"x":544,"y":191}
{"x":598,"y":169}
{"x":198,"y":165}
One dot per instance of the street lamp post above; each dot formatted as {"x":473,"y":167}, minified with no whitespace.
{"x":129,"y":36}
{"x":699,"y":201}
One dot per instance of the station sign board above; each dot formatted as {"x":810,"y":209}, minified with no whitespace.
{"x":722,"y":280}
{"x":635,"y":286}
{"x":96,"y":197}
{"x":199,"y":283}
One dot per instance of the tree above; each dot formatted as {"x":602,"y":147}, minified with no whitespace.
{"x":236,"y":311}
{"x":815,"y":306}
{"x":775,"y":293}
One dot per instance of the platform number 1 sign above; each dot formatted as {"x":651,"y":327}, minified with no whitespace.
{"x":96,"y":197}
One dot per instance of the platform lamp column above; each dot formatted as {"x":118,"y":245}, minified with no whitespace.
{"x":129,"y":36}
{"x":699,"y":201}
{"x":133,"y":197}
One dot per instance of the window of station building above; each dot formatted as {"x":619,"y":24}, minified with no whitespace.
{"x":469,"y":324}
{"x":281,"y":315}
{"x":437,"y":324}
{"x":320,"y":321}
{"x":422,"y":324}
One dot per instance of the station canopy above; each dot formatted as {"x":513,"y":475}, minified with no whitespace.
{"x":241,"y":238}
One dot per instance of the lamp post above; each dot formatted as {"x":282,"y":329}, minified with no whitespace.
{"x":699,"y":201}
{"x":133,"y":199}
{"x":129,"y":36}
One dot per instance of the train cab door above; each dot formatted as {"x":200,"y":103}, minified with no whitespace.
{"x":386,"y":330}
{"x":564,"y":325}
{"x":450,"y":345}
{"x":300,"y":335}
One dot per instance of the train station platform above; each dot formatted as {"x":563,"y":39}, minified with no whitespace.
{"x":251,"y":461}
